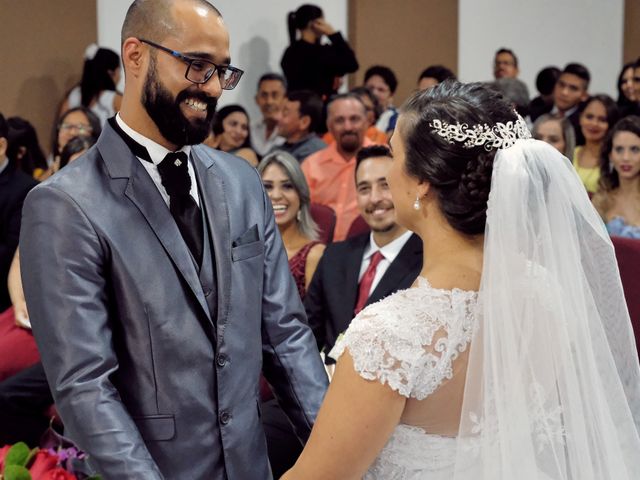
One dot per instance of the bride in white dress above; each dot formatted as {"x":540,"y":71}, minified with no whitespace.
{"x":512,"y":356}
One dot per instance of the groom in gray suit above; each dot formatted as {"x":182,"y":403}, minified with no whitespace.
{"x":157,"y":283}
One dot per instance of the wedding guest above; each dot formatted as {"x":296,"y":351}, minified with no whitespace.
{"x":230,"y":133}
{"x":618,"y":200}
{"x":383,"y":84}
{"x":272,"y":88}
{"x":78,"y":121}
{"x":299,"y":124}
{"x":372,"y":107}
{"x":24,"y":147}
{"x":569,"y":93}
{"x":505,"y":64}
{"x":97,"y":89}
{"x":434,"y":75}
{"x":557,"y":132}
{"x":288,"y":191}
{"x":14,"y":186}
{"x":599,"y":113}
{"x":545,"y":83}
{"x":307,"y":63}
{"x":329,"y":172}
{"x":628,"y":101}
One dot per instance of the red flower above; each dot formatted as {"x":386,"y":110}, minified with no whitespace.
{"x":3,"y":453}
{"x":43,"y":462}
{"x":57,"y":474}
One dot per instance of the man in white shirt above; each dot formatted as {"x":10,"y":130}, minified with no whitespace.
{"x":368,"y":267}
{"x":270,"y":98}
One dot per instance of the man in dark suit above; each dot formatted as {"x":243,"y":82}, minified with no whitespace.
{"x":157,"y":283}
{"x":14,"y":186}
{"x":363,"y":269}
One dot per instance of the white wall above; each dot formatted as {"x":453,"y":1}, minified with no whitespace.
{"x":258,"y":31}
{"x":543,"y":33}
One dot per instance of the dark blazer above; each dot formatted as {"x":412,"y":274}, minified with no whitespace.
{"x":120,"y":318}
{"x":333,"y":292}
{"x":14,"y":186}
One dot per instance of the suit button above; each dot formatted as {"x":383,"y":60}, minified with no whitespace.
{"x":207,"y":292}
{"x":222,"y":360}
{"x":225,"y":418}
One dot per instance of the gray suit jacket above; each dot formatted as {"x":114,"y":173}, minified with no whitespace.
{"x":120,"y":317}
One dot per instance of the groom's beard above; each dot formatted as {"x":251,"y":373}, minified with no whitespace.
{"x":166,"y":113}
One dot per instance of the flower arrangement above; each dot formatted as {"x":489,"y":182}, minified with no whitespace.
{"x":58,"y":459}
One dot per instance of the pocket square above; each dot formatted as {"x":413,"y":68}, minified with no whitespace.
{"x":249,"y":236}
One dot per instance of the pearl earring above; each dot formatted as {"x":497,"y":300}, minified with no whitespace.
{"x":416,"y":204}
{"x":298,"y":215}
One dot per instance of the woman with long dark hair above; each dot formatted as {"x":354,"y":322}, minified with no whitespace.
{"x":97,"y":89}
{"x":230,"y":133}
{"x":618,"y":200}
{"x":512,"y":355}
{"x":307,"y":63}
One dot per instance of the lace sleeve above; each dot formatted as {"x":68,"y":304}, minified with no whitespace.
{"x":407,"y":342}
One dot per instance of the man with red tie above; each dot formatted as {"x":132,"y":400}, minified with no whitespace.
{"x":365,"y":268}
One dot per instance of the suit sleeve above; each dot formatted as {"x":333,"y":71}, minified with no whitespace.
{"x":314,"y":305}
{"x":64,"y":270}
{"x":292,"y":364}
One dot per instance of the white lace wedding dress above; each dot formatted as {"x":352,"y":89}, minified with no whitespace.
{"x":409,"y":341}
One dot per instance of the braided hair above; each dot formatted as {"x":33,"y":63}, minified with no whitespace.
{"x":460,"y":176}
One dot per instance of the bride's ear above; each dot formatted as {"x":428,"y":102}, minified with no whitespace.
{"x":424,"y":188}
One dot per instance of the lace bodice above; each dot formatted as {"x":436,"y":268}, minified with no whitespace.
{"x":409,"y":341}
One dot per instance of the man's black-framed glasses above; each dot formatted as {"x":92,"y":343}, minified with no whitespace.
{"x":200,"y":71}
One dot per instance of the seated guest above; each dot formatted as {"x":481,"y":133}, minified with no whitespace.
{"x":24,"y":147}
{"x":78,"y":121}
{"x":288,"y":191}
{"x":569,"y":92}
{"x":599,"y":113}
{"x":557,"y":132}
{"x":434,"y":75}
{"x":230,"y":133}
{"x":310,"y":64}
{"x":618,"y":200}
{"x":366,"y":268}
{"x":545,"y":82}
{"x":628,"y":101}
{"x":25,"y":394}
{"x":269,"y":98}
{"x":372,"y":107}
{"x":383,"y":84}
{"x":329,"y":172}
{"x":14,"y":186}
{"x":505,"y":64}
{"x":299,"y":124}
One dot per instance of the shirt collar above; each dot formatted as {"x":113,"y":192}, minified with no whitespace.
{"x":156,"y":151}
{"x":391,"y":250}
{"x":555,"y":111}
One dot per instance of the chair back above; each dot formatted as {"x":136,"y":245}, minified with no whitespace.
{"x":325,"y":217}
{"x":628,"y":257}
{"x":358,"y":227}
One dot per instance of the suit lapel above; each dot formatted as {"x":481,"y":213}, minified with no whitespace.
{"x":409,"y":258}
{"x":353,"y":264}
{"x":217,"y":215}
{"x":140,"y":189}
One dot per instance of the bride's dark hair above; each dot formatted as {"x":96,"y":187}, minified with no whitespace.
{"x":460,"y":176}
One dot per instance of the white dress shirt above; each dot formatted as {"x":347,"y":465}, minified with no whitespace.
{"x":157,"y":153}
{"x":390,"y":251}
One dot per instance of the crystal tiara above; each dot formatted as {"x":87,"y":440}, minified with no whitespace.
{"x":501,"y":135}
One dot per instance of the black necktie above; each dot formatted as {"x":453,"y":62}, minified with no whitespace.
{"x":174,"y":174}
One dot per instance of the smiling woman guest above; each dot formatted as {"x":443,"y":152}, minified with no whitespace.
{"x":230,"y":133}
{"x":618,"y":200}
{"x":600,"y":112}
{"x":289,"y":193}
{"x":557,"y":132}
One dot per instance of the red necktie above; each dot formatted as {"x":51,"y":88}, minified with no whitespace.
{"x":367,"y":281}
